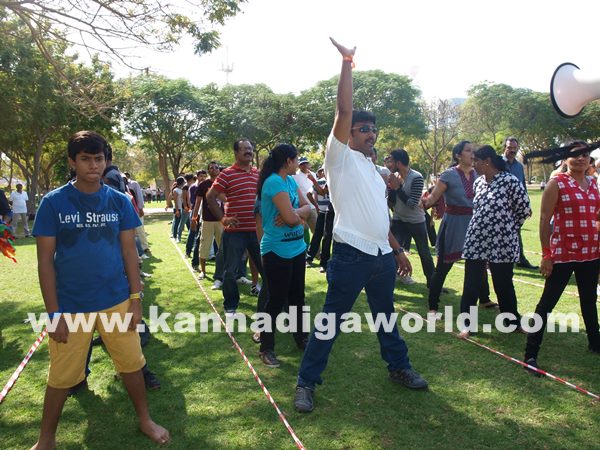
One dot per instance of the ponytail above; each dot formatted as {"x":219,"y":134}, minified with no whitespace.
{"x":274,"y":162}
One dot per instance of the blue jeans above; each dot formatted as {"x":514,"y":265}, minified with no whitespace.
{"x":234,"y":244}
{"x":183,"y":222}
{"x":348,"y":272}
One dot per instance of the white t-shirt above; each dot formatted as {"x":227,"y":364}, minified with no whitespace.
{"x":304,"y":184}
{"x":357,"y":193}
{"x":179,"y":201}
{"x":19,"y":200}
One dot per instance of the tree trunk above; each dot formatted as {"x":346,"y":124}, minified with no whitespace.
{"x":164,"y":173}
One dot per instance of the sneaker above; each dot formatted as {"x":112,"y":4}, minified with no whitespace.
{"x":201,"y":276}
{"x":255,"y":289}
{"x":150,"y":380}
{"x":145,"y":275}
{"x":230,"y":312}
{"x":144,"y":256}
{"x":196,"y":268}
{"x":243,"y":280}
{"x":217,"y":285}
{"x":406,"y":279}
{"x":303,"y":400}
{"x":409,"y":378}
{"x":178,"y":240}
{"x":309,"y":262}
{"x":269,"y":359}
{"x":78,"y":387}
{"x":533,"y":363}
{"x":322,"y":270}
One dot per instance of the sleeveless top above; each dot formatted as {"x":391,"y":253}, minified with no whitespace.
{"x":574,"y":237}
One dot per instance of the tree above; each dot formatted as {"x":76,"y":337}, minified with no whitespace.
{"x":254,"y":112}
{"x":37,"y":113}
{"x":442,"y":120}
{"x":171,"y":117}
{"x":116,"y":29}
{"x":391,"y":97}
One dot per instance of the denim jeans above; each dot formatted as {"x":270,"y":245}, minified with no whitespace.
{"x":175,"y":224}
{"x":234,"y":244}
{"x":348,"y":272}
{"x":183,"y":222}
{"x":404,"y":231}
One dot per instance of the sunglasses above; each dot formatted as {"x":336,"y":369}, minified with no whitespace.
{"x":366,"y":129}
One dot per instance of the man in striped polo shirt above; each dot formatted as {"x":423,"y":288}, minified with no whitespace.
{"x":238,"y":184}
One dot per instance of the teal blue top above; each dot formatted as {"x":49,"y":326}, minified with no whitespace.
{"x":285,"y":242}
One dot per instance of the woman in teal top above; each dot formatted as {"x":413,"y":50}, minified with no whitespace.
{"x":283,"y":210}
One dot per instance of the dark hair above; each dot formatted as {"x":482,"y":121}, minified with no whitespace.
{"x":457,"y":150}
{"x":487,"y":151}
{"x":236,"y":144}
{"x":274,"y":162}
{"x":511,"y":138}
{"x":88,"y":142}
{"x":362,"y":116}
{"x":201,"y":172}
{"x":211,"y":163}
{"x":400,"y":155}
{"x":179,"y":181}
{"x":188,"y":177}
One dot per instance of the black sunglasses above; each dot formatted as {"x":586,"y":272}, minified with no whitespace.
{"x":366,"y":129}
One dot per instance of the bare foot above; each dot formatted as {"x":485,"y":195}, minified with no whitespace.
{"x":464,"y":334}
{"x":41,"y":445}
{"x":155,"y":432}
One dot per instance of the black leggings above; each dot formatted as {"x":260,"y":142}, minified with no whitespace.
{"x":586,"y":275}
{"x":285,"y":282}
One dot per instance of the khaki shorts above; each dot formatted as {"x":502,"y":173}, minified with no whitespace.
{"x":67,"y":360}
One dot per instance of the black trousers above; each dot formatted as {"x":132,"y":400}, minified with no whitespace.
{"x":502,"y":278}
{"x":437,"y":283}
{"x":285,"y":282}
{"x":315,"y":242}
{"x":586,"y":275}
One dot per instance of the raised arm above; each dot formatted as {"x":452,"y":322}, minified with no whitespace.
{"x":343,"y":113}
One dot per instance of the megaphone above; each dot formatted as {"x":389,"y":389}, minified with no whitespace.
{"x":571,"y":89}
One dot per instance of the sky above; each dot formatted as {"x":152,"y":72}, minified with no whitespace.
{"x":444,"y":46}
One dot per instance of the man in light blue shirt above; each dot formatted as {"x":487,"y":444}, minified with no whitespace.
{"x":511,"y":148}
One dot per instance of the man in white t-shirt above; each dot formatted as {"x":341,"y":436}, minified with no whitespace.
{"x":19,"y":199}
{"x":365,"y":253}
{"x":305,"y":184}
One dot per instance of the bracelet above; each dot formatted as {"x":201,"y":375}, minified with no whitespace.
{"x":135,"y":295}
{"x":546,"y":253}
{"x":350,"y":59}
{"x":397,"y":251}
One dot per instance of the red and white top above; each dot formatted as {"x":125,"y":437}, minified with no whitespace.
{"x":239,"y":186}
{"x":575,"y":237}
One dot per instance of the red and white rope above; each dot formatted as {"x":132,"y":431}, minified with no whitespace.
{"x":246,"y":360}
{"x":13,"y":379}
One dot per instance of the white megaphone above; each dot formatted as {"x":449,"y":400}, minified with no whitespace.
{"x":571,"y":89}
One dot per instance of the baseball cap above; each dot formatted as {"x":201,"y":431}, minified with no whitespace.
{"x":302,"y":160}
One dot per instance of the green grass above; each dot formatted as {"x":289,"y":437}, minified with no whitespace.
{"x":209,"y":399}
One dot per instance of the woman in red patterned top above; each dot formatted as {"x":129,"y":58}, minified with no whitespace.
{"x":571,"y":246}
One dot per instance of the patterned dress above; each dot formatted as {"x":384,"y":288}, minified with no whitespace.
{"x":500,"y":209}
{"x":457,"y":214}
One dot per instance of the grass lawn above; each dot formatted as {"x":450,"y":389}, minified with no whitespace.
{"x":209,"y":399}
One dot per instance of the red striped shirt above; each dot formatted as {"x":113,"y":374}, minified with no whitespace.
{"x":239,"y":186}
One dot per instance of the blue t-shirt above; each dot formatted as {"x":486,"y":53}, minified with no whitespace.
{"x":285,"y":242}
{"x":90,"y":274}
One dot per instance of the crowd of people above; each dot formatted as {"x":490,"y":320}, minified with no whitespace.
{"x":356,"y":217}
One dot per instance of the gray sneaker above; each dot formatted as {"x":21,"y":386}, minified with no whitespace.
{"x":303,"y":400}
{"x":409,"y":378}
{"x":269,"y":359}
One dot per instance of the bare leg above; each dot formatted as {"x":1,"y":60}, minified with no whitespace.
{"x":134,"y":383}
{"x":203,"y":265}
{"x":53,"y":406}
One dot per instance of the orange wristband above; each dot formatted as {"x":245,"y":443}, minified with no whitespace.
{"x":350,"y":59}
{"x":546,"y":253}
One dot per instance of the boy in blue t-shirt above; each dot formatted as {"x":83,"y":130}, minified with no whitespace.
{"x":88,"y":265}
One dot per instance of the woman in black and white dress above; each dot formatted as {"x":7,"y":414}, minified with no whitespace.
{"x":500,"y":208}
